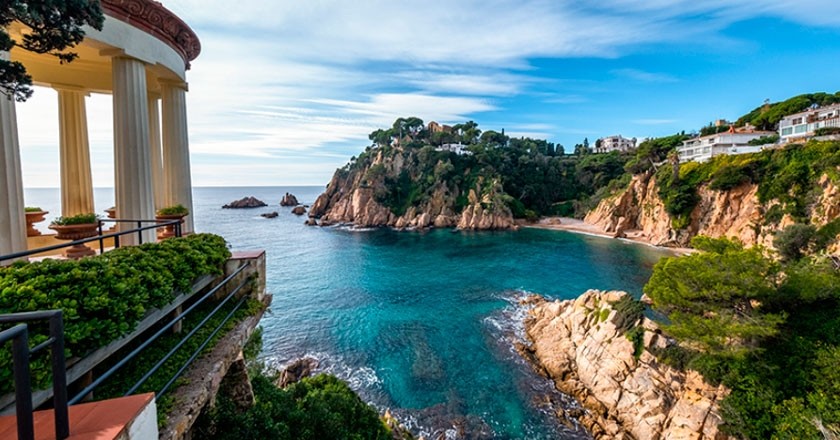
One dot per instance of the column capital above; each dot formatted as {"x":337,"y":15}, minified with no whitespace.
{"x":119,"y":53}
{"x":70,"y":88}
{"x":173,"y":83}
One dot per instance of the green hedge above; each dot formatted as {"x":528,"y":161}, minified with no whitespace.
{"x":104,"y":297}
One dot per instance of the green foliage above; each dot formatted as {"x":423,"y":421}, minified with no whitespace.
{"x":174,"y":210}
{"x":636,"y":335}
{"x":52,"y":27}
{"x":764,"y":140}
{"x":714,"y":298}
{"x":711,"y":129}
{"x":825,"y":131}
{"x":826,"y":235}
{"x":767,"y":117}
{"x":628,"y":312}
{"x":79,"y":219}
{"x":783,"y":376}
{"x":33,"y":209}
{"x":791,"y":241}
{"x":653,"y":151}
{"x":104,"y":297}
{"x":320,"y":407}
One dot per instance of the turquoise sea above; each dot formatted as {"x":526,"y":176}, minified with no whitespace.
{"x":421,"y":323}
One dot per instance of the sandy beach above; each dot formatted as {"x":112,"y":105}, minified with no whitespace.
{"x":580,"y":227}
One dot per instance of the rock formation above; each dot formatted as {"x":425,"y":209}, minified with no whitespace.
{"x":735,"y":213}
{"x":299,"y":210}
{"x":289,"y":200}
{"x":577,"y":344}
{"x":247,"y":202}
{"x":272,"y":214}
{"x":296,"y":371}
{"x":356,"y":195}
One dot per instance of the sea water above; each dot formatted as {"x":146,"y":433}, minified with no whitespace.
{"x":421,"y":323}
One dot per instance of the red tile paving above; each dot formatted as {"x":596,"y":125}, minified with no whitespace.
{"x":103,"y":420}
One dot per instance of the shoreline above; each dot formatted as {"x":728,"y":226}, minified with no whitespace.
{"x":576,"y":226}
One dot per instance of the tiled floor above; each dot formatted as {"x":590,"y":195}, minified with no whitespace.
{"x":103,"y":420}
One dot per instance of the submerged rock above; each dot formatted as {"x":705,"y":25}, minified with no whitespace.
{"x":247,"y":202}
{"x":576,"y":343}
{"x":299,"y":210}
{"x":289,"y":200}
{"x":272,"y":214}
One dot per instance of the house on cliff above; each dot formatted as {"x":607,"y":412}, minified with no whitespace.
{"x":734,"y":141}
{"x":803,"y":125}
{"x":614,"y":143}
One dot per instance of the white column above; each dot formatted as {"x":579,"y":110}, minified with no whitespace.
{"x":132,"y":161}
{"x":12,"y":219}
{"x":176,"y":150}
{"x":76,"y":181}
{"x":155,"y":151}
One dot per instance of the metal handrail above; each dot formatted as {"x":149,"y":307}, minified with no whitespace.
{"x":88,"y":389}
{"x":101,"y":237}
{"x":21,"y":354}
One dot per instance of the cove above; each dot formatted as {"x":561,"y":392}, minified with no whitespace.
{"x":422,"y":323}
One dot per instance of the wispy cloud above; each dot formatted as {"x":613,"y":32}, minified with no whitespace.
{"x":643,"y":76}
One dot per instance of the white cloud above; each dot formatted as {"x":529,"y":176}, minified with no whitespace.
{"x":643,"y":76}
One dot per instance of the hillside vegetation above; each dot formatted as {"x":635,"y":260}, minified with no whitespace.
{"x":535,"y":176}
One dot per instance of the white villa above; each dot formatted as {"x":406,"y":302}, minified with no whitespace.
{"x":615,"y":143}
{"x":459,"y":149}
{"x":703,"y":148}
{"x":804,"y":124}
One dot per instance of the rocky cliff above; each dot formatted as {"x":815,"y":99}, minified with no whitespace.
{"x":411,"y":189}
{"x":638,"y":211}
{"x":579,"y":346}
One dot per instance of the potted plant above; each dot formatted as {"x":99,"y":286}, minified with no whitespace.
{"x":76,"y":227}
{"x":176,"y":212}
{"x":34,"y":214}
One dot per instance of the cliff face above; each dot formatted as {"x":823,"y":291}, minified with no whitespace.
{"x":589,"y":358}
{"x":358,"y":194}
{"x":639,"y":211}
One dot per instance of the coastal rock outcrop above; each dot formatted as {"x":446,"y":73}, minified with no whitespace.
{"x":272,"y":214}
{"x":299,"y":210}
{"x":578,"y":345}
{"x":297,"y":370}
{"x":289,"y":200}
{"x":392,"y":189}
{"x":736,"y":213}
{"x":247,"y":202}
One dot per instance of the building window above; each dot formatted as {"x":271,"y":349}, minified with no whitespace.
{"x":787,"y":131}
{"x":800,"y":128}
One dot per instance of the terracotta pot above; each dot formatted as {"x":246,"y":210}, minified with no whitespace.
{"x":168,"y":231}
{"x":77,"y":232}
{"x":31,"y":219}
{"x":112,"y":212}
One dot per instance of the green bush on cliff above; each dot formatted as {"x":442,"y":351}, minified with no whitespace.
{"x":104,"y":297}
{"x":768,"y":331}
{"x":320,"y":407}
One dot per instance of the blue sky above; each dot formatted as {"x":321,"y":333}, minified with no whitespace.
{"x":285,"y":92}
